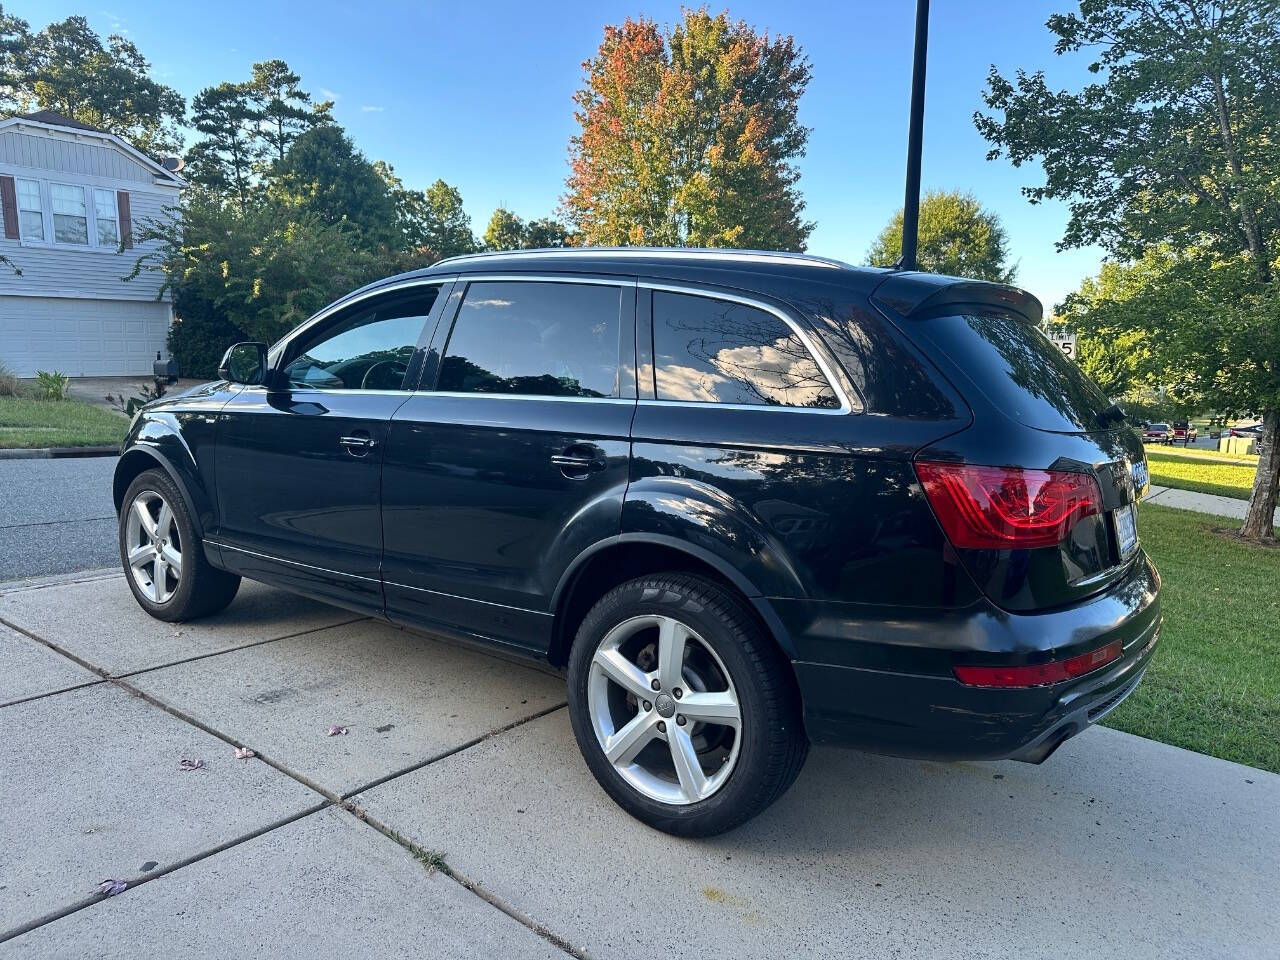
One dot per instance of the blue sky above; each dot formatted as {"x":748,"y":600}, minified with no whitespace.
{"x":480,"y":94}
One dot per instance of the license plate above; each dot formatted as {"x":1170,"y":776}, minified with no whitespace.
{"x":1127,"y":528}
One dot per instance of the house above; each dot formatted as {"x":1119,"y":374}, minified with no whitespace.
{"x":70,"y":194}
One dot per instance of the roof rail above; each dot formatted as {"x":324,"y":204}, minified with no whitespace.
{"x":674,"y":253}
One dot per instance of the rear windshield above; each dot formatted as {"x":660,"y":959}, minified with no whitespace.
{"x":1019,"y":369}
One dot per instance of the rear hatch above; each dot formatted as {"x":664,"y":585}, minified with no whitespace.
{"x":1039,"y":495}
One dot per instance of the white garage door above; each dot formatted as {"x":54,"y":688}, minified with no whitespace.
{"x":82,"y":338}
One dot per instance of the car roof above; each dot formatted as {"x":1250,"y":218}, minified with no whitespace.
{"x":750,"y":269}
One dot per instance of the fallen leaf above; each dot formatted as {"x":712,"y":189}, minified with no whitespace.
{"x":185,"y":764}
{"x":244,"y":753}
{"x":337,"y":731}
{"x":111,"y":887}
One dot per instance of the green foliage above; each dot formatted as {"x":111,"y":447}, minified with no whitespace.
{"x":432,"y":220}
{"x":68,"y":68}
{"x":286,"y":110}
{"x":1169,"y":161}
{"x":51,"y":385}
{"x":690,"y":139}
{"x":324,"y":177}
{"x":225,"y":158}
{"x":957,"y":237}
{"x":27,"y":423}
{"x":9,"y":385}
{"x":506,"y":231}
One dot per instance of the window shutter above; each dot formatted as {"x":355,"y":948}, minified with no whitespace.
{"x":126,"y":224}
{"x":9,"y":206}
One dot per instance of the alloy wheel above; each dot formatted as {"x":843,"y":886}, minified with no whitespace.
{"x":153,"y":546}
{"x":664,"y":709}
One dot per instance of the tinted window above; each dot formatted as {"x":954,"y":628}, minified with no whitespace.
{"x":547,"y":339}
{"x":715,"y":351}
{"x":369,"y":349}
{"x":1019,"y":369}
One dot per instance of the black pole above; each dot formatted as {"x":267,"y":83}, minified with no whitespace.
{"x":911,"y":205}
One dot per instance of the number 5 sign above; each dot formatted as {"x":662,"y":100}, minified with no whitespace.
{"x":1064,"y":341}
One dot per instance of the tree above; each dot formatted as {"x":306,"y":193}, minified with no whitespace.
{"x":225,"y":159}
{"x":547,"y":232}
{"x":504,"y":232}
{"x":15,"y":49}
{"x":1174,"y":146}
{"x":285,"y":109}
{"x":432,"y":219}
{"x":957,"y":237}
{"x":690,"y":139}
{"x":68,"y":69}
{"x":324,"y":176}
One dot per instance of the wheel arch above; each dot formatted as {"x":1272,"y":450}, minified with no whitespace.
{"x":145,"y":456}
{"x":616,"y":560}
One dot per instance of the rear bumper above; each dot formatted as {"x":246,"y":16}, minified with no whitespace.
{"x":902,"y":698}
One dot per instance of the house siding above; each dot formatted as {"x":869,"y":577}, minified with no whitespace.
{"x":55,"y":270}
{"x":68,"y":156}
{"x":82,"y":338}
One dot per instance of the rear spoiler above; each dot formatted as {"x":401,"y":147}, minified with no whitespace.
{"x":908,"y":293}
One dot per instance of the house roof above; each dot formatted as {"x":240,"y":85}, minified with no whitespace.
{"x":55,"y":119}
{"x":52,"y":120}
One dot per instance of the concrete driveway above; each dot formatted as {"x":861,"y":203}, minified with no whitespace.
{"x":322,"y":846}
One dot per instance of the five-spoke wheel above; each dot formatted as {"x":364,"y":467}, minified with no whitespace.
{"x":163,"y":559}
{"x":683,"y":707}
{"x":153,"y":546}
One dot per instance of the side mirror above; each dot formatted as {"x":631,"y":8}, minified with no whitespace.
{"x":245,"y":363}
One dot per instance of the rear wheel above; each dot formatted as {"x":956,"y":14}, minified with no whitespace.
{"x":163,"y":557}
{"x":684,"y":710}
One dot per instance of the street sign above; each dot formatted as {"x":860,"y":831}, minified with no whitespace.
{"x":1064,"y":341}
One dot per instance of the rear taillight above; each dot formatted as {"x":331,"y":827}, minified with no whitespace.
{"x":1007,"y":508}
{"x":1040,"y":674}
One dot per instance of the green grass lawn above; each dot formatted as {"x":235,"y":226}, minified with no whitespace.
{"x":1214,"y":685}
{"x":26,"y":423}
{"x":1200,"y":473}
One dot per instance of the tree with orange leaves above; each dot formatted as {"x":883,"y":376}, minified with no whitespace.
{"x":690,"y":139}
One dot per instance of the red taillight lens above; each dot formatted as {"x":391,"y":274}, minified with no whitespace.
{"x":1006,"y":508}
{"x":1040,"y":674}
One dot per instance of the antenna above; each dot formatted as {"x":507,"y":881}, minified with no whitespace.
{"x":911,"y":204}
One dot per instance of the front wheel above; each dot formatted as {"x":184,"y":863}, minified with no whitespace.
{"x":162,"y":556}
{"x":685,"y":711}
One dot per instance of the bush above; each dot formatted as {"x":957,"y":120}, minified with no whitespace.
{"x":9,"y":385}
{"x":199,"y":339}
{"x":52,"y":386}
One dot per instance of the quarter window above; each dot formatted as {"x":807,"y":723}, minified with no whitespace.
{"x":369,"y":349}
{"x":107,"y":215}
{"x":70,"y":216}
{"x":30,"y":210}
{"x":539,"y":338}
{"x":716,"y":351}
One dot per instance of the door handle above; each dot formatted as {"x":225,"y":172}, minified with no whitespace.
{"x":578,"y":465}
{"x":357,"y":444}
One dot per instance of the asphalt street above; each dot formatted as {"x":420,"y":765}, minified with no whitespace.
{"x":56,"y":516}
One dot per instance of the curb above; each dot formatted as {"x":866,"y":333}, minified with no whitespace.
{"x":57,"y":453}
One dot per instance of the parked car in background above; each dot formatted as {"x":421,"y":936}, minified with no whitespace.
{"x":1252,"y":431}
{"x":1184,"y":432}
{"x":749,"y":501}
{"x":1157,"y":433}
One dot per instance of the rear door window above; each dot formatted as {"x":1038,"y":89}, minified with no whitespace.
{"x":708,"y":350}
{"x":535,"y":338}
{"x":1019,"y":369}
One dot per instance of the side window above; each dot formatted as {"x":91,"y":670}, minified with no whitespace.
{"x":542,"y":338}
{"x":715,"y":351}
{"x":368,"y":349}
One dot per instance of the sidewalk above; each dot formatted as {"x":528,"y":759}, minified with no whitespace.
{"x":322,"y":846}
{"x":1200,"y":502}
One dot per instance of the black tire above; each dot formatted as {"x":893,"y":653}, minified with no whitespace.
{"x":772,"y":745}
{"x":201,"y":589}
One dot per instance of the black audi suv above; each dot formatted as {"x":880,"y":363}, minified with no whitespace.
{"x":748,"y":501}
